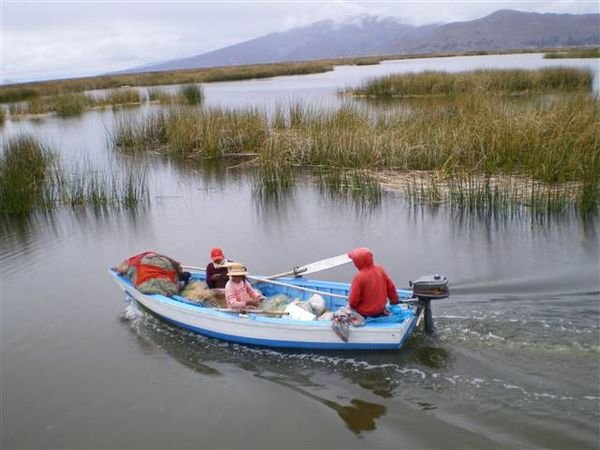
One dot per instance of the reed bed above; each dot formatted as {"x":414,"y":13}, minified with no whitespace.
{"x":126,"y":96}
{"x":74,"y":104}
{"x":2,"y":116}
{"x":192,"y":94}
{"x":30,"y":91}
{"x":32,"y":178}
{"x":70,"y":104}
{"x":24,"y":168}
{"x":484,"y":82}
{"x":84,"y":186}
{"x":574,"y":53}
{"x":554,"y":142}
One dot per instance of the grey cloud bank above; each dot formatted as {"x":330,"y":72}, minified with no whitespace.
{"x":46,"y":39}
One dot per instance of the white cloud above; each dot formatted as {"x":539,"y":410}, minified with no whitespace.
{"x":66,"y":38}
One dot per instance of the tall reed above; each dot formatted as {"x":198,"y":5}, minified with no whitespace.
{"x":192,"y":94}
{"x":64,"y":105}
{"x":70,"y":104}
{"x":32,"y":178}
{"x":24,"y":167}
{"x":357,"y":185}
{"x":84,"y":186}
{"x":122,"y":96}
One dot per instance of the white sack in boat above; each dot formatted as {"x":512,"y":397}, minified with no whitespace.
{"x":295,"y":312}
{"x":317,"y":304}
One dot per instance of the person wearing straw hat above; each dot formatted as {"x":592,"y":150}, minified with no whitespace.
{"x":238,"y":292}
{"x":216,"y":270}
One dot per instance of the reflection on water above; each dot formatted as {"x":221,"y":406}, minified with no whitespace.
{"x":198,"y":352}
{"x":379,"y":373}
{"x":150,"y":334}
{"x":359,"y":416}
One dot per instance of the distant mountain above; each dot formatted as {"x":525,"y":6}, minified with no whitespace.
{"x":507,"y":29}
{"x":370,"y":35}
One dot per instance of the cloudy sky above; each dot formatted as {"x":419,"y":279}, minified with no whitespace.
{"x":45,"y":39}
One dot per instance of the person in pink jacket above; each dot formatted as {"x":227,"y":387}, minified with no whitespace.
{"x":238,"y":292}
{"x":371,"y":287}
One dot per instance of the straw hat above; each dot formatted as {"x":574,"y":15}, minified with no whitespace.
{"x":237,"y":270}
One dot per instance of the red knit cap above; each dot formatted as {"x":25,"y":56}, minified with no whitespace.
{"x":216,"y":253}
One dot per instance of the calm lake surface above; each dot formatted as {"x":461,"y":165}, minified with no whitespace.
{"x":515,"y":362}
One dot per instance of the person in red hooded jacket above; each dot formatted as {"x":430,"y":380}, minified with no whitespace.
{"x":371,"y":286}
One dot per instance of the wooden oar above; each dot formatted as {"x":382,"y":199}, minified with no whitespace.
{"x":199,"y":269}
{"x":300,"y":288}
{"x":313,"y":267}
{"x":315,"y":291}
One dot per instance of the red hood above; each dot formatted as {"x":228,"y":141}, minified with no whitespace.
{"x":361,"y":257}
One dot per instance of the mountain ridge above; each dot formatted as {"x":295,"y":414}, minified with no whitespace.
{"x":369,"y":35}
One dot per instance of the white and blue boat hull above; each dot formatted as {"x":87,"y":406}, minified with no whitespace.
{"x":255,"y":329}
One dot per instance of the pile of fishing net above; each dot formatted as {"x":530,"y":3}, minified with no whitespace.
{"x":198,"y":292}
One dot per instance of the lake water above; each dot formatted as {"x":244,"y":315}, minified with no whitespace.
{"x":515,"y":363}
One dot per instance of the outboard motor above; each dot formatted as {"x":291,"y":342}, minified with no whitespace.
{"x":425,"y":289}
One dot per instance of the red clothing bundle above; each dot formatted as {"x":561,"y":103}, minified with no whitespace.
{"x":371,"y":287}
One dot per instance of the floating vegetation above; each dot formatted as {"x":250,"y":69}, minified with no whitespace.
{"x":2,"y":116}
{"x":483,"y":81}
{"x":31,"y":178}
